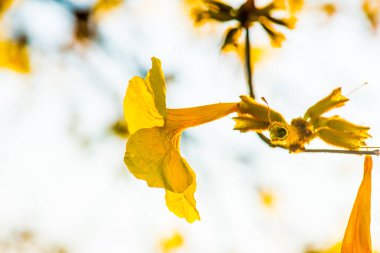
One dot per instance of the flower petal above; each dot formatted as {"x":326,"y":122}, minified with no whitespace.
{"x":357,"y":238}
{"x":152,"y":155}
{"x":348,"y":140}
{"x":156,"y":85}
{"x":259,"y":111}
{"x":334,"y":100}
{"x":183,"y":204}
{"x":144,"y":102}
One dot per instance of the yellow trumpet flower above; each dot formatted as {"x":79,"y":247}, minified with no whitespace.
{"x":152,"y":151}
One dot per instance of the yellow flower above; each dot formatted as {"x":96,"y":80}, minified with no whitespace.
{"x":152,"y":151}
{"x":14,"y":55}
{"x":357,"y":238}
{"x":336,"y":131}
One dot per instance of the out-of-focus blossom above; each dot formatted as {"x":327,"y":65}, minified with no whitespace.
{"x":4,"y":6}
{"x":267,"y":198}
{"x":371,"y":9}
{"x":174,"y":242}
{"x":246,"y":16}
{"x":26,"y":241}
{"x":329,"y":8}
{"x":14,"y":55}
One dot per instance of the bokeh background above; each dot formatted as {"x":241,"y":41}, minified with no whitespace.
{"x":64,"y":186}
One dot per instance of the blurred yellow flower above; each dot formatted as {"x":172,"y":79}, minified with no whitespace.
{"x":329,"y":8}
{"x":371,"y":9}
{"x":267,"y":198}
{"x":357,"y":238}
{"x":4,"y":6}
{"x":14,"y":55}
{"x":171,"y":243}
{"x":152,"y":151}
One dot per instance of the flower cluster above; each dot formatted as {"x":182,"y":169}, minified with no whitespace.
{"x":153,"y":153}
{"x":334,"y":130}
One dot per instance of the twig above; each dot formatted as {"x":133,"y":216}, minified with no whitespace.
{"x":375,"y":152}
{"x":248,"y":63}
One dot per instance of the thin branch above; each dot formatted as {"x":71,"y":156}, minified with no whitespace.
{"x":375,"y":152}
{"x":248,"y":63}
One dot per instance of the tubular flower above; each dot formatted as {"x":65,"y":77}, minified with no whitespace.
{"x":152,"y":151}
{"x":357,"y":238}
{"x":334,"y":130}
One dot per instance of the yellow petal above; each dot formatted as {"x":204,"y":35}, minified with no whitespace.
{"x":156,"y":85}
{"x":14,"y":55}
{"x":144,"y":103}
{"x":259,"y":111}
{"x":346,"y":140}
{"x":245,"y":123}
{"x":357,"y":238}
{"x":152,"y":155}
{"x":179,"y":119}
{"x":334,"y":100}
{"x":342,"y":125}
{"x":183,"y":204}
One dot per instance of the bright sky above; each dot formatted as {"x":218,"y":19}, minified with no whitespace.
{"x":61,"y":170}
